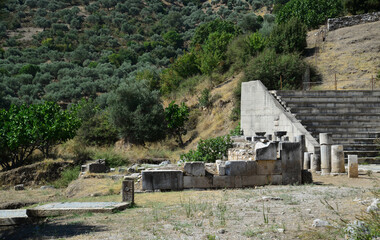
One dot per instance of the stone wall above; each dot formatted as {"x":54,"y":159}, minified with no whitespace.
{"x":261,"y":112}
{"x":336,"y":23}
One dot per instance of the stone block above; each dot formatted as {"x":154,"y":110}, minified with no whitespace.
{"x":266,"y":151}
{"x":254,"y":180}
{"x":128,"y":191}
{"x":197,"y":182}
{"x":275,"y":179}
{"x":238,"y":181}
{"x":291,"y":160}
{"x":241,"y":168}
{"x":83,"y":168}
{"x":307,"y":177}
{"x":337,"y":159}
{"x":223,"y":181}
{"x":221,"y":167}
{"x":353,"y":166}
{"x":97,"y":167}
{"x":269,"y":167}
{"x":162,"y":179}
{"x":195,"y":169}
{"x":19,"y":187}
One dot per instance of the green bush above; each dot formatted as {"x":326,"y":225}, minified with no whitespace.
{"x":112,"y":158}
{"x":310,"y":12}
{"x":137,"y":112}
{"x":289,"y":37}
{"x":269,"y":68}
{"x":361,"y":6}
{"x":67,"y":176}
{"x":204,"y":99}
{"x":209,"y":150}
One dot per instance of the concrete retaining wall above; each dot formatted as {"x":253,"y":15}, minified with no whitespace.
{"x":336,"y":23}
{"x":261,"y":112}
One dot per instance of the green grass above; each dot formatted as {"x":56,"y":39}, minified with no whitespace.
{"x":67,"y":176}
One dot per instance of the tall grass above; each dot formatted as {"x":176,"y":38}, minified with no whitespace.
{"x":67,"y":176}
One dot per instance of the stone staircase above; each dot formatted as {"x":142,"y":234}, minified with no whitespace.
{"x":353,"y":118}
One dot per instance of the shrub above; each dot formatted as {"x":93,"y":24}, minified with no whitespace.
{"x":67,"y":176}
{"x":204,"y":99}
{"x":289,"y":37}
{"x":310,"y":12}
{"x":112,"y":158}
{"x":361,"y":6}
{"x":176,"y":116}
{"x":209,"y":150}
{"x":137,"y":112}
{"x":269,"y":68}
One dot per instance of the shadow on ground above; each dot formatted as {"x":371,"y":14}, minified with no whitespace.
{"x":48,"y":231}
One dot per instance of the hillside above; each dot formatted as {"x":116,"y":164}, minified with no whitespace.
{"x":351,"y":52}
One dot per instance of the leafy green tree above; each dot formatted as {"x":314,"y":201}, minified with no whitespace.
{"x":173,"y":38}
{"x":271,"y":68}
{"x":24,"y":129}
{"x":186,"y":65}
{"x":289,"y":37}
{"x":361,"y":6}
{"x":249,"y":23}
{"x":30,"y":69}
{"x":310,"y":12}
{"x":203,"y":31}
{"x":176,"y":117}
{"x":137,"y":112}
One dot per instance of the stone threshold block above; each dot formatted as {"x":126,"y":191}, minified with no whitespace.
{"x":197,"y":182}
{"x":57,"y":209}
{"x":240,"y":168}
{"x":195,"y":169}
{"x":269,"y":167}
{"x":162,"y":180}
{"x":13,"y":217}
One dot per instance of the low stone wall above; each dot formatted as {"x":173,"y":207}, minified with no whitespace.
{"x":265,"y":169}
{"x":336,"y":23}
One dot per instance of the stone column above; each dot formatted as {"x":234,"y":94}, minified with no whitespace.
{"x":353,"y":166}
{"x":337,"y":159}
{"x":325,"y":141}
{"x":128,"y":191}
{"x":306,"y":160}
{"x":301,"y":139}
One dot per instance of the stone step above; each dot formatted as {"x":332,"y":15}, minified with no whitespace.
{"x":337,"y":123}
{"x":345,"y":141}
{"x":333,"y":116}
{"x":334,"y":104}
{"x":362,"y":153}
{"x":352,"y":135}
{"x":369,"y":160}
{"x":330,"y":93}
{"x":333,"y":110}
{"x":360,"y":147}
{"x":301,"y":99}
{"x":341,"y":129}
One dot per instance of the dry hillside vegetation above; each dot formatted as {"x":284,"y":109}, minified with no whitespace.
{"x":353,"y":53}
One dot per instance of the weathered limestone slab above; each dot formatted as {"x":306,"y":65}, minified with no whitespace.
{"x":325,"y":140}
{"x":221,"y":167}
{"x":306,"y":160}
{"x":195,"y":168}
{"x":269,"y":167}
{"x":99,"y":166}
{"x":197,"y":182}
{"x":162,"y":179}
{"x":315,"y":162}
{"x":254,"y":180}
{"x":128,"y":191}
{"x":291,"y":162}
{"x":56,"y":209}
{"x":353,"y":166}
{"x":275,"y":179}
{"x":241,"y":168}
{"x":223,"y":181}
{"x":13,"y":217}
{"x":337,"y":159}
{"x":266,"y":151}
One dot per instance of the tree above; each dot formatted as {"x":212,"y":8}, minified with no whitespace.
{"x":310,"y":12}
{"x":176,"y":117}
{"x":24,"y":129}
{"x":137,"y":112}
{"x":289,"y":37}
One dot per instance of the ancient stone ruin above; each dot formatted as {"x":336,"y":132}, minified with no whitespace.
{"x":249,"y":164}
